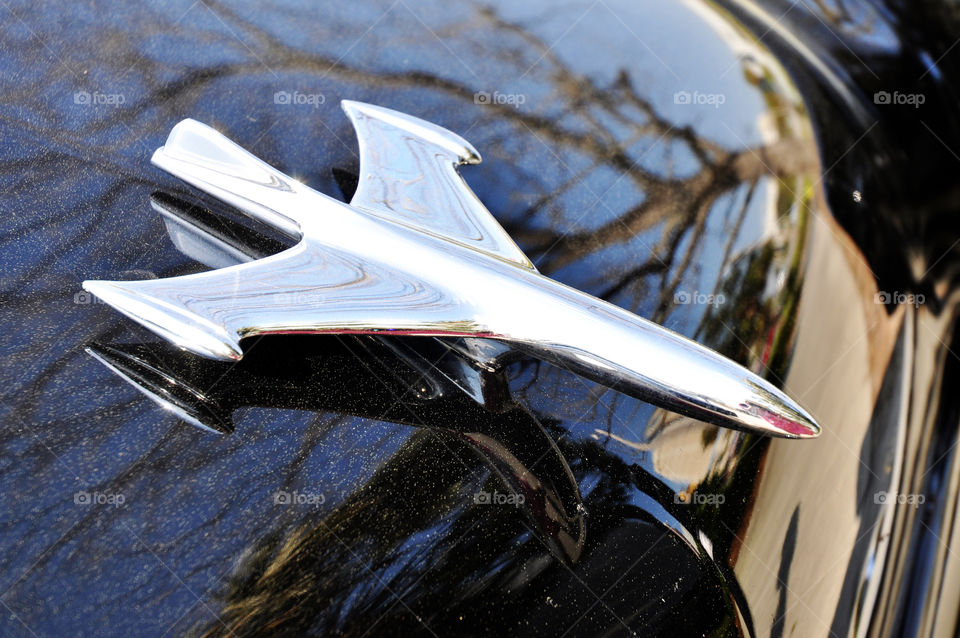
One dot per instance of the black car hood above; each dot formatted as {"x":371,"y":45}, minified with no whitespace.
{"x":656,"y":155}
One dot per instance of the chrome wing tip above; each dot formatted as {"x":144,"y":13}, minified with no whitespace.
{"x":172,"y":321}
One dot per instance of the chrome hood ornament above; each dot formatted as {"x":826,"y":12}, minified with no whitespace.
{"x":416,"y":253}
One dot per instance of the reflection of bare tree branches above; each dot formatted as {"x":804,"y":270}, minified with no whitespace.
{"x":604,"y":127}
{"x":365,"y":567}
{"x":343,"y":572}
{"x":621,"y":103}
{"x":677,"y":205}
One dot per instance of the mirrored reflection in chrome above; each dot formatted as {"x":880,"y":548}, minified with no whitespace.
{"x":416,"y":253}
{"x":375,"y":379}
{"x":487,"y":537}
{"x":455,"y":392}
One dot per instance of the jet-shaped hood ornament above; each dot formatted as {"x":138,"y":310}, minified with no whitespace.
{"x":416,"y":253}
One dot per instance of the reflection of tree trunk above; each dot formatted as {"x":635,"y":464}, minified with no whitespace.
{"x":696,"y":193}
{"x":345,"y":567}
{"x":411,"y":545}
{"x":412,"y":535}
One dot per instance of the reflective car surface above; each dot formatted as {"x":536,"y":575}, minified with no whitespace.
{"x":772,"y":180}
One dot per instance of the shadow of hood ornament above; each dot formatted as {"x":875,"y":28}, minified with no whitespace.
{"x":416,"y":253}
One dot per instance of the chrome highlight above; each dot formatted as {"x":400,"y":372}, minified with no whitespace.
{"x":416,"y":253}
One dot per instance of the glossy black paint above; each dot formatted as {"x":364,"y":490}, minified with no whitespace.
{"x":605,"y":181}
{"x":901,"y":158}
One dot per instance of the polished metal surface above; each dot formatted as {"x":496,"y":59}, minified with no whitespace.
{"x":416,"y":253}
{"x":799,"y":200}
